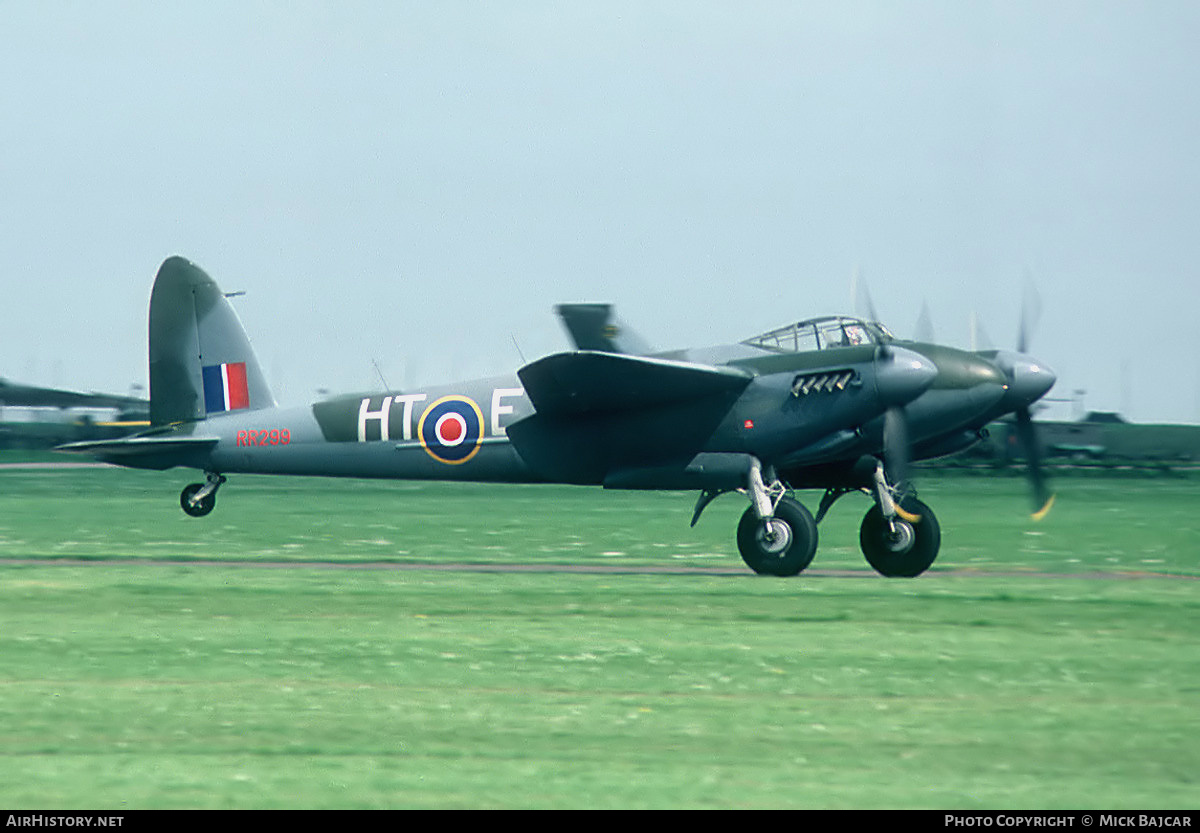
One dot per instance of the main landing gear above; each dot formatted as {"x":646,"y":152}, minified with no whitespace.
{"x":900,"y":536}
{"x":777,"y":535}
{"x":903,"y":547}
{"x":199,"y":499}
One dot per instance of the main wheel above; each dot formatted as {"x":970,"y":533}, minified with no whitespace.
{"x":198,"y":510}
{"x":782,"y":545}
{"x":910,"y":549}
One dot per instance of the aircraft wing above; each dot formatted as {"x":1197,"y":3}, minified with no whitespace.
{"x":35,"y":397}
{"x":595,"y":382}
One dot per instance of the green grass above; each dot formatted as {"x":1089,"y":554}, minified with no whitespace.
{"x":1129,"y":525}
{"x":989,"y":684}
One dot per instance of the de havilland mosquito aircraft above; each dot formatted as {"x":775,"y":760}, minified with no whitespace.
{"x":833,"y":403}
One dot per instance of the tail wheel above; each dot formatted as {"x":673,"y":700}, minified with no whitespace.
{"x":782,"y":545}
{"x":200,"y":508}
{"x":908,"y":549}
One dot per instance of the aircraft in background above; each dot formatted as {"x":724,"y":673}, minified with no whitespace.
{"x":836,"y":403}
{"x":37,"y":417}
{"x":29,"y":396}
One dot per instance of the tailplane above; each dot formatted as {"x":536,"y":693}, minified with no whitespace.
{"x":201,"y":362}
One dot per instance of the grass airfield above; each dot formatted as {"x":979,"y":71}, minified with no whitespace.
{"x":350,"y":644}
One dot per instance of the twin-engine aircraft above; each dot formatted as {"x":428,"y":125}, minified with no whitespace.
{"x":836,"y":403}
{"x":31,"y":396}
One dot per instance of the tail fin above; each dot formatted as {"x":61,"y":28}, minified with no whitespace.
{"x":596,"y":327}
{"x":201,"y":362}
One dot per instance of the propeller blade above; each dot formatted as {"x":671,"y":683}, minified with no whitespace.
{"x":1043,"y":499}
{"x":924,"y":328}
{"x":895,"y":444}
{"x":979,"y":337}
{"x":862,"y":301}
{"x":1031,"y":313}
{"x":896,"y":454}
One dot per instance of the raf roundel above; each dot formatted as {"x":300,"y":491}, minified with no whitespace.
{"x":450,"y":430}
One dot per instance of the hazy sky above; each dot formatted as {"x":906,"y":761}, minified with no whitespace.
{"x":417,"y":184}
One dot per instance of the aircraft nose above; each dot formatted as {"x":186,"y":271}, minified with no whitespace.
{"x":903,"y":375}
{"x":1028,"y":379}
{"x":1031,"y":380}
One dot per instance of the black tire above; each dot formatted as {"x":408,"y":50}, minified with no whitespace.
{"x":200,"y":509}
{"x":790,"y":551}
{"x":912,"y":552}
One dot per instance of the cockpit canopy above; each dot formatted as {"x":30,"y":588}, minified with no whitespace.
{"x":822,"y":334}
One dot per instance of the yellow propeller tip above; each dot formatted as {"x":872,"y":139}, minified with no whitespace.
{"x":1045,"y":510}
{"x":907,"y":516}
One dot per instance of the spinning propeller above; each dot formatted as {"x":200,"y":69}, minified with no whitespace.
{"x":1027,"y":381}
{"x":897,"y":452}
{"x":1043,"y":498}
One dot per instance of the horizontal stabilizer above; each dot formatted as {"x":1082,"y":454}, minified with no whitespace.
{"x":592,"y":382}
{"x":145,"y":452}
{"x":139,"y":445}
{"x":596,"y":327}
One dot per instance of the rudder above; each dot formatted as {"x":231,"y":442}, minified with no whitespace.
{"x":201,"y":362}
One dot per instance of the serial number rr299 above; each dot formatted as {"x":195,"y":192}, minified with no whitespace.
{"x":272,"y":436}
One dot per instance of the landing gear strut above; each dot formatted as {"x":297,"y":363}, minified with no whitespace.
{"x":198,"y":499}
{"x":777,"y":536}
